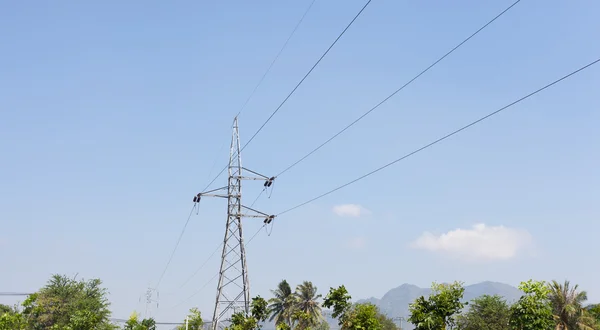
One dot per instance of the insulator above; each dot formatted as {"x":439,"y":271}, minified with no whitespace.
{"x":197,"y":198}
{"x":269,"y":181}
{"x":269,"y":219}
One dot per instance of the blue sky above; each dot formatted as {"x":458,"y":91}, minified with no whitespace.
{"x":113,"y":113}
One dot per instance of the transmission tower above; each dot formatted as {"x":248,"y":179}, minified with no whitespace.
{"x":150,"y":299}
{"x":233,"y":289}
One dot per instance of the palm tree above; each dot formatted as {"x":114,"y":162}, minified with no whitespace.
{"x":307,"y":304}
{"x":281,"y":306}
{"x":567,"y":307}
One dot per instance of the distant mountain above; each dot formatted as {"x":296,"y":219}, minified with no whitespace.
{"x":395,"y":302}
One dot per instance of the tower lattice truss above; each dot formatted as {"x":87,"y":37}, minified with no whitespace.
{"x":233,"y":289}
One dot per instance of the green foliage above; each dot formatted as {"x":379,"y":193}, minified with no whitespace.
{"x":358,"y":316}
{"x":302,"y":320}
{"x":133,"y":323}
{"x":300,"y":308}
{"x":437,"y":311}
{"x":283,"y":326}
{"x":594,"y":311}
{"x":362,"y":317}
{"x":241,"y":322}
{"x":68,"y":304}
{"x":339,"y":300}
{"x":259,"y":312}
{"x":485,"y":312}
{"x":323,"y":326}
{"x":386,"y":322}
{"x":259,"y":309}
{"x":306,"y":301}
{"x":567,"y":307}
{"x":282,"y":304}
{"x":533,"y":310}
{"x":4,"y":309}
{"x":194,"y":320}
{"x":12,"y":321}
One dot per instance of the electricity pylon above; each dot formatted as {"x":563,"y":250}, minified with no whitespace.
{"x":233,"y":289}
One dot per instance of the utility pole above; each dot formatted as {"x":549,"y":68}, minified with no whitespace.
{"x":233,"y":289}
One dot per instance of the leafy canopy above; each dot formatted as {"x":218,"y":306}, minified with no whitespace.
{"x":533,"y":310}
{"x":438,"y":310}
{"x":485,"y":312}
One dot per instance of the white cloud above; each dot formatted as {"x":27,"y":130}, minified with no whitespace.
{"x":357,"y":243}
{"x":479,"y":243}
{"x":350,"y":210}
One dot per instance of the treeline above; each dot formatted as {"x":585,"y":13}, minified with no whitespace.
{"x":69,"y":304}
{"x":543,"y":306}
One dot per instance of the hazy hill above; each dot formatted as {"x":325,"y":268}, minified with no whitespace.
{"x":395,"y":302}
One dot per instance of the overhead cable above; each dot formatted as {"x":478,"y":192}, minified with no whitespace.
{"x":295,"y":88}
{"x":215,"y":276}
{"x":175,"y":248}
{"x":442,"y":138}
{"x":399,"y":89}
{"x":277,"y":56}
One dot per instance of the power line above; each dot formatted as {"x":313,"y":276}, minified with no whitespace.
{"x":442,"y":138}
{"x":295,"y":88}
{"x":175,"y":248}
{"x":201,"y":266}
{"x":217,"y":274}
{"x":218,"y":248}
{"x":14,"y":294}
{"x":307,"y":74}
{"x":399,"y":89}
{"x":276,"y":57}
{"x":241,"y":109}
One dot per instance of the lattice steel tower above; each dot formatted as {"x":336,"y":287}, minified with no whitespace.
{"x":233,"y":289}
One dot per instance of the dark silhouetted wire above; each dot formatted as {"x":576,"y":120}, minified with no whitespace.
{"x":442,"y":138}
{"x":398,"y":90}
{"x":307,"y":74}
{"x":277,"y":56}
{"x":175,"y":248}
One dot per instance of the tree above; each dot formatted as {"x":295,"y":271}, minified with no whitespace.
{"x":282,"y":304}
{"x":533,"y":310}
{"x":11,"y":319}
{"x":5,"y":309}
{"x":194,"y":321}
{"x":133,"y":323}
{"x":386,"y":322}
{"x":65,"y":303}
{"x":567,"y":307}
{"x":307,"y":302}
{"x":594,"y":311}
{"x":486,"y":312}
{"x":437,"y":311}
{"x":259,"y":309}
{"x":362,"y":316}
{"x":357,"y":316}
{"x":283,"y":326}
{"x":339,"y":300}
{"x":323,"y":326}
{"x":259,"y":313}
